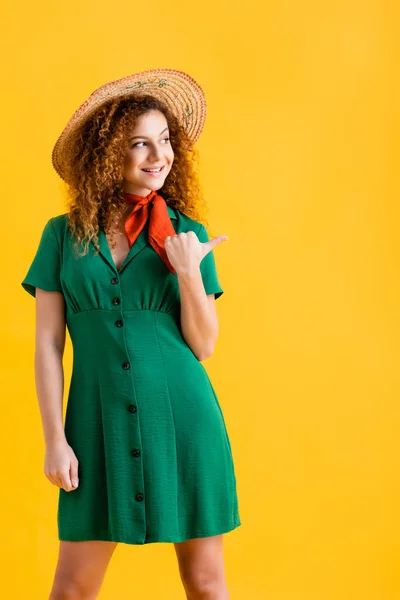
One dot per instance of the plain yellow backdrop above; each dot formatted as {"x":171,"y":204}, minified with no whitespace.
{"x":298,"y":163}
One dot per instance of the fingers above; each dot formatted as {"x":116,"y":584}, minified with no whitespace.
{"x":74,"y":473}
{"x":55,"y":478}
{"x":66,"y":481}
{"x":182,"y":234}
{"x":66,"y":478}
{"x":208,"y":246}
{"x":52,"y":478}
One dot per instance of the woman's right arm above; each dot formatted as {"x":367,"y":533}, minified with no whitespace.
{"x":61,"y":464}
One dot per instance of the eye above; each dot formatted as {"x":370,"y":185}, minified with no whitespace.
{"x":137,"y":143}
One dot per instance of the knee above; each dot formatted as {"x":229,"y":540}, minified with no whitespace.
{"x":69,"y":590}
{"x":203,"y":585}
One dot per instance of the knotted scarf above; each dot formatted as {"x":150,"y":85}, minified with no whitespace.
{"x":151,"y":207}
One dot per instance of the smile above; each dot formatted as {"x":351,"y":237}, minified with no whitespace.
{"x":153,"y":172}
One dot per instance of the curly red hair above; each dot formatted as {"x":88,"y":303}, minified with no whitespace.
{"x":95,"y":189}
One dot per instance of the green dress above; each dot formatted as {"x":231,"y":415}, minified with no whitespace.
{"x":155,"y":460}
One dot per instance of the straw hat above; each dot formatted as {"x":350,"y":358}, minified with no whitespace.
{"x":180,"y":92}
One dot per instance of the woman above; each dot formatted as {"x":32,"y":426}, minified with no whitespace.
{"x":144,"y":455}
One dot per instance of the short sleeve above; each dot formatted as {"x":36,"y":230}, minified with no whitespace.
{"x":44,"y":271}
{"x":208,"y":268}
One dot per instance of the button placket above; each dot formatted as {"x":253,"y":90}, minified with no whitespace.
{"x":132,"y":409}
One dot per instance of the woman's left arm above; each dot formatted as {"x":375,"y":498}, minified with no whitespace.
{"x":199,"y":319}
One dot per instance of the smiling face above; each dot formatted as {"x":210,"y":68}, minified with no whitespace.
{"x":149,"y":149}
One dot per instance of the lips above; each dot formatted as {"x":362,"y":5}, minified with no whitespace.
{"x":152,"y":170}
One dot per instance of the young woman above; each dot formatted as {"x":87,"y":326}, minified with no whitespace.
{"x":144,"y":455}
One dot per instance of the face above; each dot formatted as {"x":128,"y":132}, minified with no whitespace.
{"x":149,"y":148}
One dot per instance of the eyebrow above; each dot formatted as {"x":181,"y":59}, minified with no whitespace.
{"x":143,"y":136}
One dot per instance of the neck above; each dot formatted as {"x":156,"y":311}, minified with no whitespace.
{"x":143,"y":192}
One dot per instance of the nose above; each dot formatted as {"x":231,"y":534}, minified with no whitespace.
{"x":156,"y":154}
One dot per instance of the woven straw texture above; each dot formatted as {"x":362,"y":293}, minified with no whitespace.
{"x":178,"y":90}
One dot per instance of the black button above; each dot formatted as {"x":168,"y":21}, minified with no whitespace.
{"x":139,"y":497}
{"x":132,"y":408}
{"x":119,"y":323}
{"x":126,"y":366}
{"x":135,"y":452}
{"x":115,"y":301}
{"x":114,"y":280}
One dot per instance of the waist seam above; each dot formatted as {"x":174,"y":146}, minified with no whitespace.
{"x":124,"y":310}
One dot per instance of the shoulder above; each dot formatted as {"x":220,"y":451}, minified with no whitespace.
{"x":59,"y":221}
{"x":185,"y":223}
{"x":58,"y":225}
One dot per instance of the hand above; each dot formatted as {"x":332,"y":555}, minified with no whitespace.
{"x":61,"y":465}
{"x":185,"y":251}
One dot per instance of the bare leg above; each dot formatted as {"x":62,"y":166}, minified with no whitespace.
{"x":201,"y":567}
{"x":80,"y":569}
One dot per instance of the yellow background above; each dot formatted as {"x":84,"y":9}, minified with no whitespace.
{"x":298,"y":159}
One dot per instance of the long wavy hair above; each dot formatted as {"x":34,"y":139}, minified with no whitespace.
{"x":95,"y":189}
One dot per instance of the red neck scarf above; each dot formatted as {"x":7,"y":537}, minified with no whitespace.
{"x":160,"y":224}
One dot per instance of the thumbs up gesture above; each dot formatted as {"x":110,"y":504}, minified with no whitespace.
{"x":185,"y":251}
